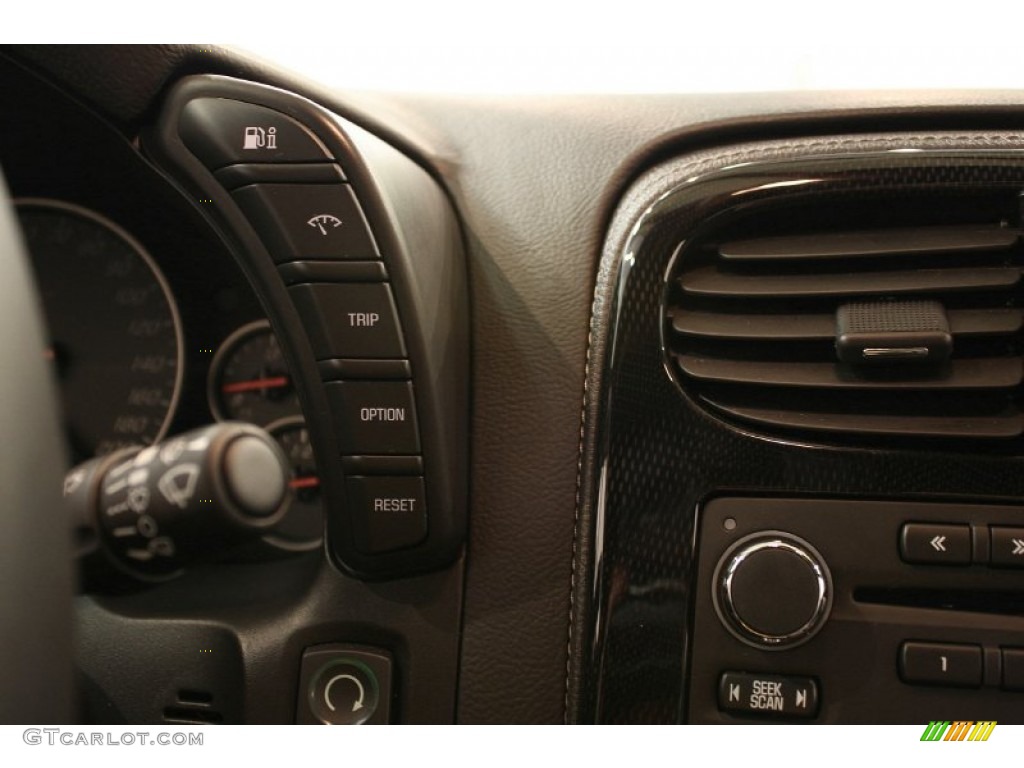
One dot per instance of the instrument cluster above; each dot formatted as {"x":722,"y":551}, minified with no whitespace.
{"x":154,"y":328}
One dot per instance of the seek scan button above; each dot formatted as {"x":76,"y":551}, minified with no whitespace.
{"x":770,"y":695}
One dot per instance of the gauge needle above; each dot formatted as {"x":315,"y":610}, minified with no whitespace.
{"x":272,"y":382}
{"x":304,"y":482}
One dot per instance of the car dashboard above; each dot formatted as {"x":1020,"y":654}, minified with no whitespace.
{"x":610,"y":409}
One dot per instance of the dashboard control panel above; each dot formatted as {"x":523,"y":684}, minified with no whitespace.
{"x":167,"y":315}
{"x":811,"y":609}
{"x":801,"y":437}
{"x":355,"y":255}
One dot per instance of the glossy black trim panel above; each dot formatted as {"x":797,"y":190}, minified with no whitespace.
{"x":650,"y":455}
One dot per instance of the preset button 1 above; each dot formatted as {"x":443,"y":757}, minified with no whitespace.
{"x":941,"y":664}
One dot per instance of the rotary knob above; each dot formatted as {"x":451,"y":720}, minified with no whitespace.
{"x":773,"y":590}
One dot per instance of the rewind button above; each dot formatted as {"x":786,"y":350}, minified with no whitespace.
{"x":933,"y":544}
{"x":1007,"y":546}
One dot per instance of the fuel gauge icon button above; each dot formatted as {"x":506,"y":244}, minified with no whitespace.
{"x":222,"y":132}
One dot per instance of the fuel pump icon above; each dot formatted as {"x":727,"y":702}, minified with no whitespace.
{"x":259,"y":138}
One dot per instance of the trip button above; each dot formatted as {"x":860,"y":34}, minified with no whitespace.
{"x":1007,"y":546}
{"x":356,"y":320}
{"x":772,"y":695}
{"x":941,"y":664}
{"x":222,"y":132}
{"x":374,"y":417}
{"x":933,"y":544}
{"x":387,"y":513}
{"x":307,"y":221}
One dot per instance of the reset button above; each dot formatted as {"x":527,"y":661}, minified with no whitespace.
{"x":388,"y":513}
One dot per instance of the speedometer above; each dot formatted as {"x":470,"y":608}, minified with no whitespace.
{"x":115,"y":333}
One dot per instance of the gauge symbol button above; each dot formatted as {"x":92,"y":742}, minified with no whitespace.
{"x":308,"y":221}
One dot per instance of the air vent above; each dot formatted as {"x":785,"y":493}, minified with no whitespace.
{"x":193,"y":707}
{"x":887,"y":331}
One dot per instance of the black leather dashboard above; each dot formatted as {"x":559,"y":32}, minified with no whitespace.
{"x":534,"y":184}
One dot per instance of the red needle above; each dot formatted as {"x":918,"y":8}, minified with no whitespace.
{"x":274,"y":382}
{"x":304,"y":482}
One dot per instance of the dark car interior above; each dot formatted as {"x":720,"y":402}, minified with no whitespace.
{"x":412,"y":408}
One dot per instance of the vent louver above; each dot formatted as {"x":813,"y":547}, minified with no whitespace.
{"x":193,"y":707}
{"x":752,"y":330}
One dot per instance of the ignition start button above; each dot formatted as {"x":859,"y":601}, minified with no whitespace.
{"x":344,"y":685}
{"x":344,"y":693}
